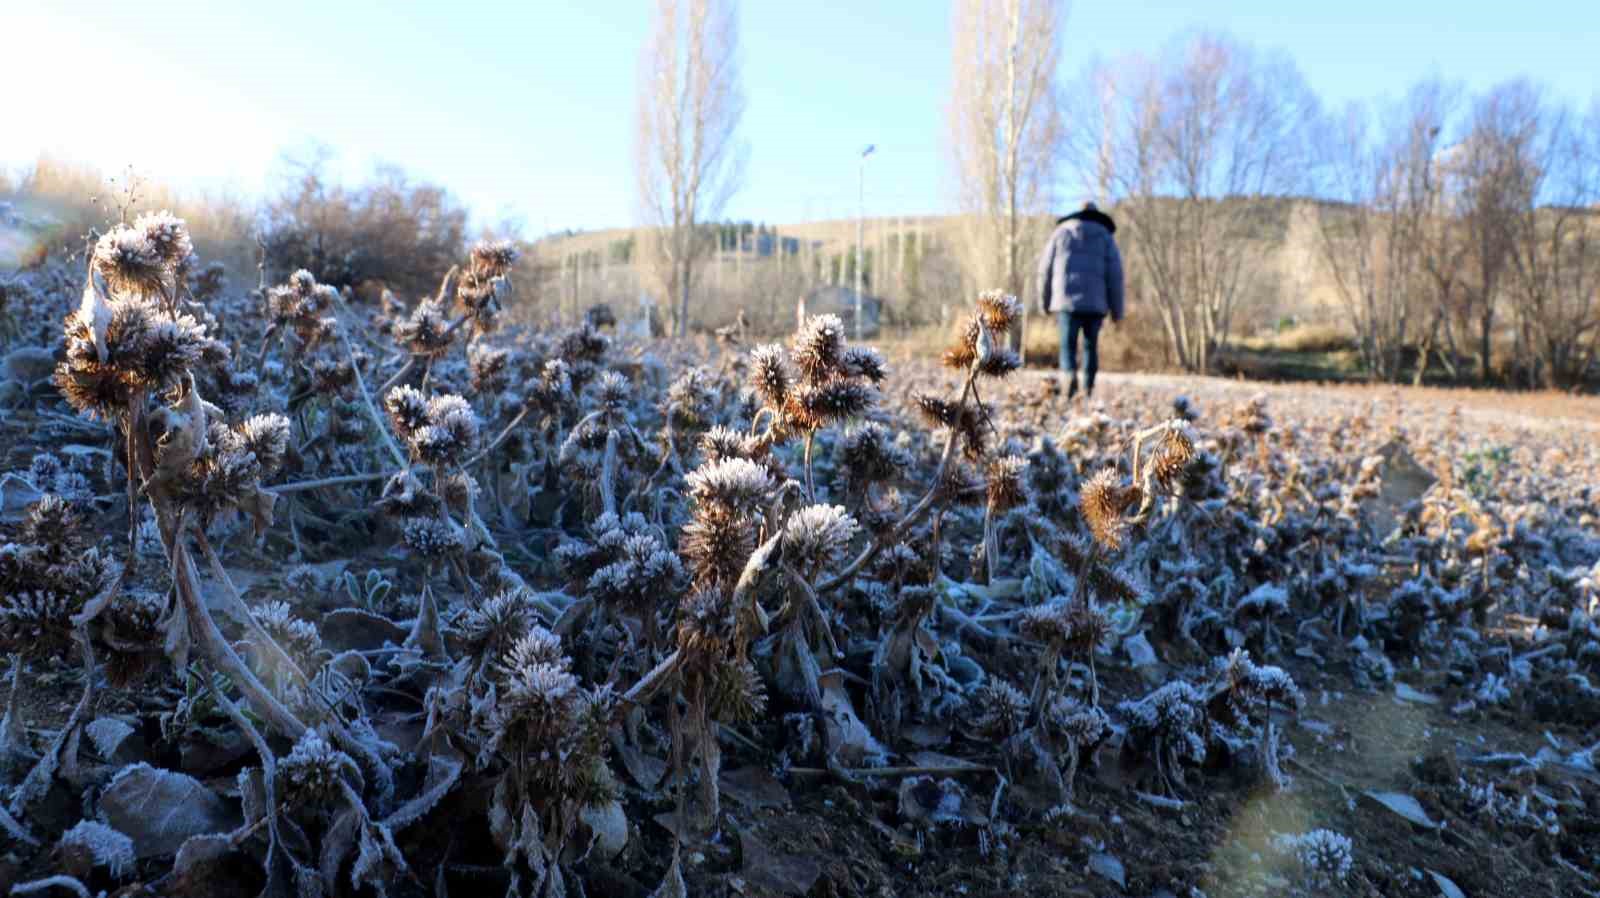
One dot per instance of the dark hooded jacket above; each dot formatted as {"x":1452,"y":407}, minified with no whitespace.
{"x":1080,"y":269}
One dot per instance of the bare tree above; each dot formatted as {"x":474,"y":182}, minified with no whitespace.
{"x":687,"y":157}
{"x":1004,"y":129}
{"x":1372,"y":238}
{"x":1495,"y":167}
{"x":1187,"y":141}
{"x":1554,"y":250}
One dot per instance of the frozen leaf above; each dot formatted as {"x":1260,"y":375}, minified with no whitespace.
{"x":17,"y":495}
{"x":754,"y":788}
{"x":107,"y":734}
{"x":1401,"y":482}
{"x":355,"y":628}
{"x":1139,"y":650}
{"x":12,"y":827}
{"x":1405,"y":806}
{"x":786,"y":874}
{"x":925,"y":801}
{"x":199,"y":858}
{"x":646,"y":770}
{"x":609,"y":823}
{"x":1108,"y":867}
{"x":160,"y":809}
{"x":672,"y":885}
{"x":1407,"y":694}
{"x":443,"y":772}
{"x":424,"y":634}
{"x":1447,"y":888}
{"x":92,"y":844}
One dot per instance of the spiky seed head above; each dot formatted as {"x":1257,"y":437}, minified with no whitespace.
{"x":720,"y":443}
{"x":167,"y":237}
{"x":998,"y":310}
{"x":737,"y":693}
{"x":431,"y":538}
{"x":612,"y":392}
{"x":534,"y":647}
{"x":833,"y":402}
{"x":769,"y":374}
{"x":493,"y":258}
{"x":537,"y":707}
{"x":51,"y":522}
{"x":962,"y":353}
{"x":999,"y":708}
{"x":1104,"y":501}
{"x":819,"y":348}
{"x":736,"y":483}
{"x":426,"y":331}
{"x":455,"y":416}
{"x":267,"y":437}
{"x":705,"y":624}
{"x":816,"y":535}
{"x":408,"y":410}
{"x":938,"y":412}
{"x":864,"y":362}
{"x":1003,"y":479}
{"x":129,"y":262}
{"x":488,"y":366}
{"x":315,"y":774}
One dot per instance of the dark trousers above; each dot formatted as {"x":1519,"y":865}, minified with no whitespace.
{"x":1071,"y":325}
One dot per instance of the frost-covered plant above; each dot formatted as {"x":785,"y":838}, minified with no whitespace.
{"x":1167,"y":727}
{"x":819,"y":382}
{"x":1239,"y":687}
{"x":1326,"y":858}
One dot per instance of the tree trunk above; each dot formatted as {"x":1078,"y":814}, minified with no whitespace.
{"x":1485,"y":338}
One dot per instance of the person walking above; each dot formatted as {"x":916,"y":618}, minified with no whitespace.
{"x":1080,"y":280}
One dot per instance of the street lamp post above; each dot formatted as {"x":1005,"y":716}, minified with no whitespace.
{"x":861,"y":217}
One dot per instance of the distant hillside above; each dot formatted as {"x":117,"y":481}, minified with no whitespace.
{"x":911,"y":261}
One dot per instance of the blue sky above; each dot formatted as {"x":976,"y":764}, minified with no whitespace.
{"x":525,"y":109}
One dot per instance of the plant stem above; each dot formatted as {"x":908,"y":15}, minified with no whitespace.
{"x":495,"y":443}
{"x":301,"y":485}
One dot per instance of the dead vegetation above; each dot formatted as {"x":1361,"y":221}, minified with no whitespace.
{"x":308,"y":595}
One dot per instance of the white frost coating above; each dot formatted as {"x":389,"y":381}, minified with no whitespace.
{"x":1325,"y":856}
{"x":105,"y":846}
{"x":107,"y":733}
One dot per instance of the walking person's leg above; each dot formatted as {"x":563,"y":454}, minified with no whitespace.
{"x":1069,"y":350}
{"x":1091,"y":356}
{"x":1063,"y":328}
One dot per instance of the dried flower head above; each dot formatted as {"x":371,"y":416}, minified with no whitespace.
{"x":1003,"y":479}
{"x":816,"y":536}
{"x":737,"y":484}
{"x":769,"y":374}
{"x":316,"y":775}
{"x":1105,"y":501}
{"x":736,"y":693}
{"x":426,"y":332}
{"x":999,"y":708}
{"x":488,"y":367}
{"x":493,"y":258}
{"x":819,"y":348}
{"x":998,"y":310}
{"x":130,"y":263}
{"x":266,"y":437}
{"x":535,"y":646}
{"x":431,"y":538}
{"x":167,"y":237}
{"x":867,"y":454}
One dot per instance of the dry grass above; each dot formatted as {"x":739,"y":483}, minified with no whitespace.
{"x":1137,"y":344}
{"x":1301,"y":338}
{"x":70,"y":199}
